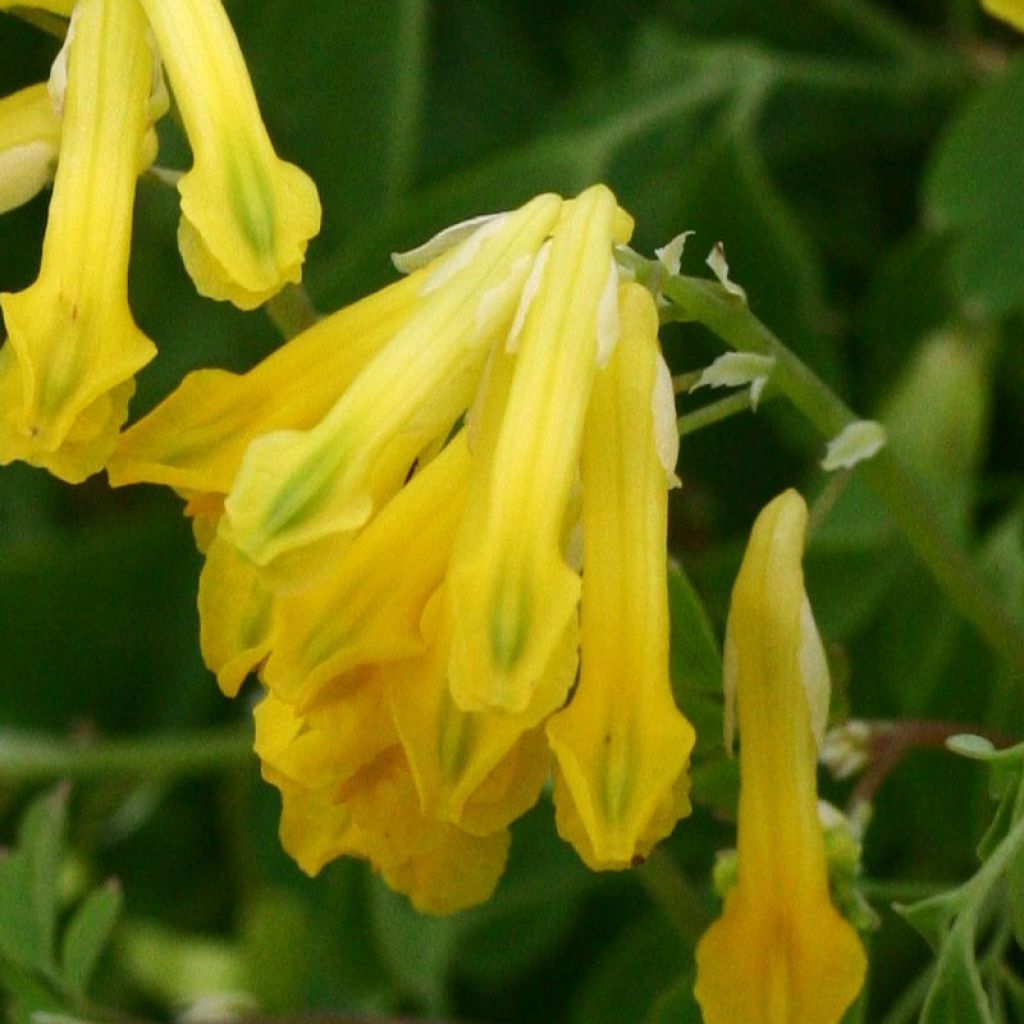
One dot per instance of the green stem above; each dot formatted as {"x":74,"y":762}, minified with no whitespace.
{"x":672,"y":892}
{"x":291,"y":311}
{"x":955,"y":572}
{"x":878,"y":28}
{"x":28,"y":758}
{"x":691,"y":422}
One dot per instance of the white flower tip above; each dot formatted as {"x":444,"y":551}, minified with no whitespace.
{"x":856,"y":442}
{"x":846,"y":749}
{"x":720,"y":268}
{"x":737,"y":369}
{"x":57,"y":84}
{"x":666,"y":432}
{"x":670,"y":256}
{"x":814,"y":673}
{"x":608,"y":315}
{"x":444,"y":241}
{"x":527,"y":295}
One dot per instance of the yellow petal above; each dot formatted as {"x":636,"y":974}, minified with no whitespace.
{"x":246,"y":215}
{"x":478,"y":770}
{"x":780,"y":953}
{"x":1011,"y":11}
{"x":196,"y":438}
{"x":236,"y":614}
{"x":459,"y":872}
{"x":61,"y":7}
{"x":513,"y":593}
{"x":29,"y":144}
{"x":295,"y":488}
{"x":622,"y":744}
{"x":368,"y":608}
{"x":74,"y":342}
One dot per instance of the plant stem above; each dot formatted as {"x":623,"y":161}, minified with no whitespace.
{"x":956,"y":573}
{"x":29,"y":758}
{"x":672,"y":892}
{"x":877,"y":27}
{"x":691,"y":422}
{"x":291,"y":311}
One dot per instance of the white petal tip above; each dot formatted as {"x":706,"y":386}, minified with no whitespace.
{"x":855,"y":443}
{"x":720,"y":268}
{"x":670,"y":256}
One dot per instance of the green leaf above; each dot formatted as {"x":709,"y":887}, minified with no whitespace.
{"x":975,"y":186}
{"x":676,"y":1005}
{"x":932,"y":917}
{"x":417,"y":948}
{"x":696,"y":664}
{"x":20,"y":936}
{"x":956,"y":993}
{"x":88,"y":932}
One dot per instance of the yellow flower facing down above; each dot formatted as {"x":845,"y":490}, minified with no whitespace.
{"x":246,"y":215}
{"x":1011,"y":11}
{"x":66,"y":373}
{"x":29,"y":144}
{"x":622,"y":744}
{"x":780,"y":953}
{"x":60,"y":7}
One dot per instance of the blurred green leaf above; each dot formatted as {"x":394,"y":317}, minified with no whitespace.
{"x":975,"y":187}
{"x":87,"y":934}
{"x":677,"y":1005}
{"x":957,"y":993}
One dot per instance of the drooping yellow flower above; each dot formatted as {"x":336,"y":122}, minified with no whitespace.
{"x":66,"y":372}
{"x":622,"y":745}
{"x":61,"y":7}
{"x":246,"y":215}
{"x":29,"y":143}
{"x":388,"y":506}
{"x":1011,"y":11}
{"x":780,"y":953}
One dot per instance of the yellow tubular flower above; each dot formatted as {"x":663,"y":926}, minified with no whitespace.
{"x":246,"y":215}
{"x":368,"y":609}
{"x":295,"y":488}
{"x":780,"y":953}
{"x":196,"y":438}
{"x":29,"y":144}
{"x":73,"y":348}
{"x":514,"y":595}
{"x":622,"y":745}
{"x":1011,"y":11}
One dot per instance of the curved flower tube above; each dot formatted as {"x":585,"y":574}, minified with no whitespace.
{"x":66,"y":373}
{"x":780,"y":953}
{"x":246,"y":215}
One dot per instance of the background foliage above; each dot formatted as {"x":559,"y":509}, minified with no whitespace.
{"x":864,"y":166}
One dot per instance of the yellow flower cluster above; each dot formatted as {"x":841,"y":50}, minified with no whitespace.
{"x":435,"y":526}
{"x":73,"y":348}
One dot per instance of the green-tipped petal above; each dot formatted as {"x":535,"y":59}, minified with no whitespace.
{"x":622,"y":744}
{"x":72,"y":336}
{"x":246,"y":215}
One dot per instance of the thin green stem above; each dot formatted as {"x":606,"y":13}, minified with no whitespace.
{"x":682,"y":382}
{"x":878,"y":28}
{"x":732,"y":321}
{"x":291,"y":310}
{"x":691,"y":422}
{"x":669,"y":888}
{"x":29,"y":758}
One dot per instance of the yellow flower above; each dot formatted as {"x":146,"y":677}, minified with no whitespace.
{"x":29,"y":143}
{"x":780,"y":953}
{"x":66,"y":373}
{"x":389,"y":506}
{"x":246,"y":215}
{"x":622,"y":745}
{"x":1011,"y":11}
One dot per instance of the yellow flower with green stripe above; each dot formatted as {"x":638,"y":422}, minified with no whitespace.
{"x":781,"y":953}
{"x":67,"y":371}
{"x":390,"y":505}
